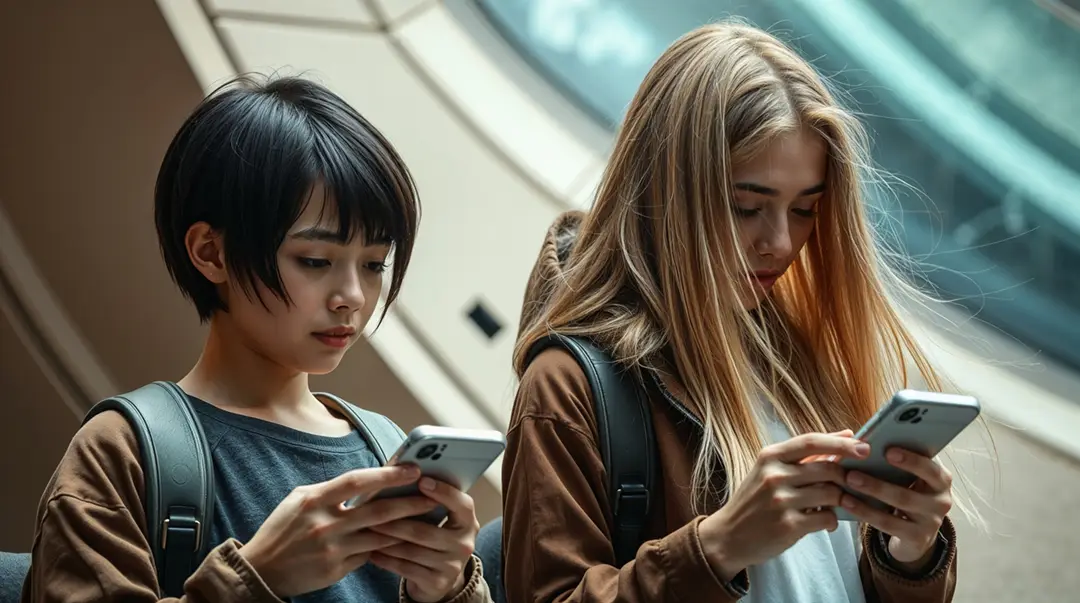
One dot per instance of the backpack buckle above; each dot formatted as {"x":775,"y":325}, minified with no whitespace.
{"x":632,"y":500}
{"x":181,"y":527}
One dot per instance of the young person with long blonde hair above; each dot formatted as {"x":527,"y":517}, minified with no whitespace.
{"x":729,"y":263}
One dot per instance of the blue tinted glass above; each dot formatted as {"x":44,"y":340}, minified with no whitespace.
{"x":1002,"y":236}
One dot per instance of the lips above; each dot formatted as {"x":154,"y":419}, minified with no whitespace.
{"x":766,"y":278}
{"x":338,"y":337}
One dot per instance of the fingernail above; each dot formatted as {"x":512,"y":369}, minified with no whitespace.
{"x":855,"y":479}
{"x":427,"y":484}
{"x":862,"y":449}
{"x":896,"y":456}
{"x":848,"y":502}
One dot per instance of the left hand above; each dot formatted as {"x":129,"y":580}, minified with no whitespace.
{"x":432,"y":560}
{"x":920,"y":509}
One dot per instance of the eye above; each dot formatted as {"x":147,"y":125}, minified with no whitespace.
{"x":313,"y":262}
{"x":377,"y":267}
{"x":744,"y":212}
{"x":805,"y":213}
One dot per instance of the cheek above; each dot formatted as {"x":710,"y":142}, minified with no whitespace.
{"x":302,"y":288}
{"x":373,"y":289}
{"x":800,"y":234}
{"x":748,"y":234}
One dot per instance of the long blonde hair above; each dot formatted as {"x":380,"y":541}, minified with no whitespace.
{"x":650,"y":276}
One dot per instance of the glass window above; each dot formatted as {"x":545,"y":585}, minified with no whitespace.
{"x":1008,"y":251}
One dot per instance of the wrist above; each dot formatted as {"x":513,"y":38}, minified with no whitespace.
{"x":722,"y":557}
{"x":908,"y":562}
{"x":449,"y":595}
{"x":252,"y":556}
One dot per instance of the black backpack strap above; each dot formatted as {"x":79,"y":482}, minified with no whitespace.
{"x":179,"y":477}
{"x":627,"y":445}
{"x":382,"y":435}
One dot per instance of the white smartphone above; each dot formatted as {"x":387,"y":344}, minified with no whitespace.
{"x":455,"y":456}
{"x":922,"y":422}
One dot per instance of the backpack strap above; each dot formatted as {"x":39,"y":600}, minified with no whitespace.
{"x":179,"y":477}
{"x":382,"y":435}
{"x":625,"y":430}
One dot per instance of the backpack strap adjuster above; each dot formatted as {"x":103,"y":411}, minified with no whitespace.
{"x":183,"y":526}
{"x":631,"y":501}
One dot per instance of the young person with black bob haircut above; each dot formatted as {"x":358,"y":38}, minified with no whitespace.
{"x":278,"y":209}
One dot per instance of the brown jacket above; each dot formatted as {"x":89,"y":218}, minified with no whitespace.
{"x":90,"y":543}
{"x":557,"y":519}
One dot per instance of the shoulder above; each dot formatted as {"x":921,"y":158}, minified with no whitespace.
{"x":554,"y":387}
{"x":101,"y":464}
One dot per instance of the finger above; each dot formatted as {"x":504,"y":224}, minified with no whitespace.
{"x":386,"y":510}
{"x":800,"y":447}
{"x":365,"y":541}
{"x":813,"y":473}
{"x":815,"y":521}
{"x":889,"y":523}
{"x":418,"y":532}
{"x":365,"y":481}
{"x":460,"y":505}
{"x":413,"y":572}
{"x":906,"y":500}
{"x":417,"y":554}
{"x":819,"y":458}
{"x":816,"y":495}
{"x":929,"y":471}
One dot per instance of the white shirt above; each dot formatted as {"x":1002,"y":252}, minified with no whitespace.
{"x":822,"y":567}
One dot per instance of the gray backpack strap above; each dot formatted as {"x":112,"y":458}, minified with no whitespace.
{"x":179,"y":476}
{"x":626,"y":441}
{"x":382,"y":434}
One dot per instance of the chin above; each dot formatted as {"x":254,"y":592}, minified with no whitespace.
{"x":322,"y":368}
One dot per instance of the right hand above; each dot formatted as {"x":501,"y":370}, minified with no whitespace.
{"x":311,"y":540}
{"x":779,"y":501}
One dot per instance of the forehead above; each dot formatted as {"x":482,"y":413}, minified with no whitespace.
{"x":318,"y":221}
{"x":318,"y":210}
{"x":794,"y":160}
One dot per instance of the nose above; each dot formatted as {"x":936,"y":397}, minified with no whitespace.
{"x":774,"y":238}
{"x":348,"y":295}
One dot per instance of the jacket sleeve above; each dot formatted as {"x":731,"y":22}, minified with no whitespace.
{"x":884,"y":583}
{"x":475,"y":589}
{"x":90,"y":542}
{"x":556,"y":516}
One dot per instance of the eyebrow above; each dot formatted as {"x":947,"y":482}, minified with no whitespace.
{"x":316,"y":233}
{"x":325,"y":235}
{"x":772,"y":192}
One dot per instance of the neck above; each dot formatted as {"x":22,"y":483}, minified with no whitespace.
{"x":231,"y":372}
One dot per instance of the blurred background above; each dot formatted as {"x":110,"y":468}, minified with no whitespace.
{"x":505,"y":111}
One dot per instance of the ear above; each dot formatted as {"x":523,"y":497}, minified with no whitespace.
{"x":206,"y":252}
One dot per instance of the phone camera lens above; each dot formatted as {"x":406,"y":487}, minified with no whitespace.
{"x":427,"y":451}
{"x":908,"y":415}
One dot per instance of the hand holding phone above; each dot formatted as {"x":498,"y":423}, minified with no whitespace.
{"x":434,"y":548}
{"x":457,"y":457}
{"x":899,"y":489}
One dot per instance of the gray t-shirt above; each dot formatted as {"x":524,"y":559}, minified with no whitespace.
{"x":258,"y":463}
{"x":821,"y":567}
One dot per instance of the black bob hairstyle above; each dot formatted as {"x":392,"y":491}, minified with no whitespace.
{"x":246,"y":162}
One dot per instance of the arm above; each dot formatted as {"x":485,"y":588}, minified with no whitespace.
{"x":90,"y":544}
{"x":556,"y":518}
{"x":884,"y":581}
{"x":474,"y":591}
